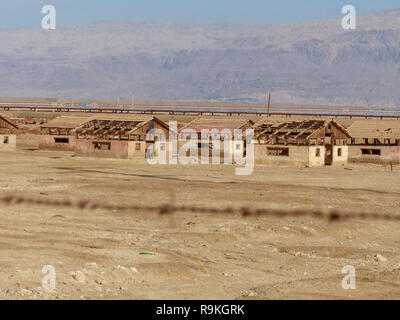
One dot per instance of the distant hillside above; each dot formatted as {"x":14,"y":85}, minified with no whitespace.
{"x":311,"y":63}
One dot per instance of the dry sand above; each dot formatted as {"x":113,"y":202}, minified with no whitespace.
{"x":96,"y":254}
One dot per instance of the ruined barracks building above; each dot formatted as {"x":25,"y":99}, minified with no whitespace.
{"x":375,"y":141}
{"x":59,"y":134}
{"x":213,"y":142}
{"x":309,"y":142}
{"x":314,"y":143}
{"x":114,"y":136}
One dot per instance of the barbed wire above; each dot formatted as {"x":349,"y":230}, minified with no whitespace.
{"x":166,"y":209}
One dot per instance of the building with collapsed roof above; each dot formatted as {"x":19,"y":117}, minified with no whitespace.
{"x":312,"y":143}
{"x":211,"y":134}
{"x":111,"y":136}
{"x":59,"y":133}
{"x":8,"y":137}
{"x":375,"y":141}
{"x":119,"y":136}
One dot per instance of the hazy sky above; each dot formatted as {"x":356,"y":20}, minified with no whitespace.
{"x":21,"y":13}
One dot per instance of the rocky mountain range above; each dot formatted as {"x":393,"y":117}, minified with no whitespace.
{"x":308,"y":63}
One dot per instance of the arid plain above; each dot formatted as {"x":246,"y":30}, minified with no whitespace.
{"x":98,"y":254}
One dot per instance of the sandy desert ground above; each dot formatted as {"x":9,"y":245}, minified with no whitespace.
{"x":96,"y":253}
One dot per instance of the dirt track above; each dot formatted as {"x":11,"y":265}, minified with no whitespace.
{"x":96,"y":254}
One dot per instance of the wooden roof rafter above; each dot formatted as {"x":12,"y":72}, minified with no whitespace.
{"x":264,"y":128}
{"x":9,"y":124}
{"x":112,"y":127}
{"x":295,"y":128}
{"x":137,"y":127}
{"x":279,"y":129}
{"x":297,"y":132}
{"x":309,"y":131}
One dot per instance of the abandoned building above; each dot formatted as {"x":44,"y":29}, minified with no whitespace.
{"x":119,"y":136}
{"x":310,"y":142}
{"x":58,"y":134}
{"x":8,"y":137}
{"x":313,"y":143}
{"x":375,"y":141}
{"x":215,"y":132}
{"x":112,"y":136}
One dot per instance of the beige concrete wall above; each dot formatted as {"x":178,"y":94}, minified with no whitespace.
{"x":237,"y":149}
{"x":298,"y":155}
{"x":8,"y":142}
{"x":160,"y":151}
{"x":230,"y":153}
{"x":336,"y":158}
{"x":388,"y":154}
{"x":314,"y":159}
{"x":136,"y":154}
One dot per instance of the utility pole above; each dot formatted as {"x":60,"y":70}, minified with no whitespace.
{"x":269,"y":104}
{"x":133,"y":100}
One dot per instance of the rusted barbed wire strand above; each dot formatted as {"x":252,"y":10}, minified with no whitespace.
{"x":165,"y":209}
